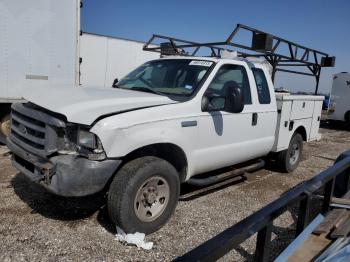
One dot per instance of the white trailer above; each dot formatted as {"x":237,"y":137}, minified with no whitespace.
{"x":37,"y":48}
{"x":115,"y":58}
{"x":339,"y":107}
{"x":41,"y":45}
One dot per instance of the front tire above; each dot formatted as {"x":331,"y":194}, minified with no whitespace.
{"x":289,"y":159}
{"x":143,"y":195}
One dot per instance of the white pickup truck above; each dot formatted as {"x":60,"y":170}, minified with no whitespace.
{"x":167,"y":121}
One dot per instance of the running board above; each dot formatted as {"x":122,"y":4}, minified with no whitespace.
{"x":222,"y":177}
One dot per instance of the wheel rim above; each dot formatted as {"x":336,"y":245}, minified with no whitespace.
{"x":5,"y":127}
{"x":294,"y":154}
{"x":151,"y":199}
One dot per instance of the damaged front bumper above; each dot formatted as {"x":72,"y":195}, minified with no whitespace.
{"x":64,"y":175}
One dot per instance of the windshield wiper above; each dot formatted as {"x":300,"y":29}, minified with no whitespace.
{"x":147,"y":89}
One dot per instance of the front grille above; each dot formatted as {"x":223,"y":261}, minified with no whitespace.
{"x":34,"y":130}
{"x":28,"y":130}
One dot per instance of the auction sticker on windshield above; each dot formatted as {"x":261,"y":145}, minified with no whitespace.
{"x":201,"y":63}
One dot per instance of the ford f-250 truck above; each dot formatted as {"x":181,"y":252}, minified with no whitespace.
{"x":165,"y":122}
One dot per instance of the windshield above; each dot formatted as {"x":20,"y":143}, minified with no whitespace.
{"x":170,"y":77}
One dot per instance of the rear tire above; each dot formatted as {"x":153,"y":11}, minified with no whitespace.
{"x":143,"y":195}
{"x":288,"y":160}
{"x":5,"y":123}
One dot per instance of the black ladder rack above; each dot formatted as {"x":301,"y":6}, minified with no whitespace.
{"x":262,"y":45}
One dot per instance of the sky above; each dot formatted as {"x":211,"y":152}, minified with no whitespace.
{"x":321,"y":25}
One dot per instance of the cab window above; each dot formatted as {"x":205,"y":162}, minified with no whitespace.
{"x":179,"y":77}
{"x":262,"y":86}
{"x":230,"y":75}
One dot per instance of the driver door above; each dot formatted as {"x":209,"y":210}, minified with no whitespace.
{"x":227,"y":138}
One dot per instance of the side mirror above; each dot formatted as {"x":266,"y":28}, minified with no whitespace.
{"x":211,"y":102}
{"x":115,"y":82}
{"x":234,"y":102}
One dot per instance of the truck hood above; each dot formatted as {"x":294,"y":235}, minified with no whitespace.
{"x":84,"y":105}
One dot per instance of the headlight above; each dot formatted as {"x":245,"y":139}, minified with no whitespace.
{"x":76,"y":140}
{"x":87,"y":139}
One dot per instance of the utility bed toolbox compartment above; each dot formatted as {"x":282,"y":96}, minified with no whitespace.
{"x":301,"y":109}
{"x":294,"y":111}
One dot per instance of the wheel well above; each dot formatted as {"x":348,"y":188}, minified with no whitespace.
{"x":167,"y":151}
{"x":301,"y":130}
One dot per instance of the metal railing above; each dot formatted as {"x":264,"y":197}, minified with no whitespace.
{"x":278,"y":51}
{"x":334,"y":180}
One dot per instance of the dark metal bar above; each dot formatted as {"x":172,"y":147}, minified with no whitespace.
{"x":262,"y":251}
{"x":279,"y":38}
{"x":230,"y":238}
{"x":276,"y":61}
{"x":193,"y":44}
{"x":195,"y":51}
{"x":235,"y":31}
{"x":312,"y":69}
{"x":315,"y":57}
{"x":328,"y":193}
{"x":276,"y":45}
{"x":173,"y":44}
{"x":317,"y":80}
{"x":175,"y":39}
{"x":304,"y":213}
{"x":281,"y":64}
{"x":304,"y":55}
{"x":213,"y":53}
{"x":294,"y":72}
{"x":297,"y":62}
{"x":149,"y":42}
{"x":291,"y":50}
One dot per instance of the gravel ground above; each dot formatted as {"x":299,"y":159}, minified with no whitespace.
{"x":36,"y":225}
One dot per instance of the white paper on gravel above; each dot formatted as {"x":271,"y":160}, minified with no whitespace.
{"x":137,"y":239}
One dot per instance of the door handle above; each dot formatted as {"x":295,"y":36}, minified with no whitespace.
{"x":188,"y":123}
{"x":254,"y":119}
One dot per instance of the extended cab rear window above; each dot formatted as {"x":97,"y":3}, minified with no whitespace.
{"x":262,"y":86}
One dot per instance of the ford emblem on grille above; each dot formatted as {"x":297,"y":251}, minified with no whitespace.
{"x":22,"y":128}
